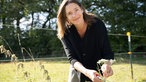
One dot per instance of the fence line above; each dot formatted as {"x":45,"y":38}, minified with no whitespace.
{"x":65,"y":58}
{"x":126,"y":35}
{"x":29,"y":59}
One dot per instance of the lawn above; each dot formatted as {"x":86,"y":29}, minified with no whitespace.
{"x":58,"y":71}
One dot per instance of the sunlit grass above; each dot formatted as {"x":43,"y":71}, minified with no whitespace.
{"x":58,"y":71}
{"x":122,"y":73}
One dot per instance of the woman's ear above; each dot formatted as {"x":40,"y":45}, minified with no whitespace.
{"x":82,"y":10}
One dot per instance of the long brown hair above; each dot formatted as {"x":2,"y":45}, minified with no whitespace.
{"x":62,"y":19}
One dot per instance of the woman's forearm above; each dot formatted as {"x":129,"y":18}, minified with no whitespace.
{"x":79,"y":67}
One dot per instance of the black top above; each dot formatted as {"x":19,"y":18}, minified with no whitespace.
{"x":89,"y":49}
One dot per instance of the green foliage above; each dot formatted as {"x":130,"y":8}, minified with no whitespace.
{"x":41,"y":42}
{"x":119,"y":16}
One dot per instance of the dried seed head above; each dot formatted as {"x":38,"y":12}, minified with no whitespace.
{"x":14,"y":58}
{"x":42,"y":67}
{"x":48,"y":78}
{"x":45,"y":72}
{"x":26,"y":74}
{"x":20,"y":65}
{"x":8,"y":53}
{"x":2,"y":49}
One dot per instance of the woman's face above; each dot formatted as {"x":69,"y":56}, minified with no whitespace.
{"x":74,"y":13}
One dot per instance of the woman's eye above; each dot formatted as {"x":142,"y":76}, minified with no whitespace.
{"x":76,"y":9}
{"x":69,"y":13}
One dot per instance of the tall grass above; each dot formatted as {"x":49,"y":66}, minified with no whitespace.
{"x":58,"y":71}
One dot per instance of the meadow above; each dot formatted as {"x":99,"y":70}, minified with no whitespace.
{"x":57,"y":70}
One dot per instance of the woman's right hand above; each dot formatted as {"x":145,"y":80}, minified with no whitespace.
{"x":93,"y":75}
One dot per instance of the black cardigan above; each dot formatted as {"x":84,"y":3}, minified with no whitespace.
{"x":89,"y":49}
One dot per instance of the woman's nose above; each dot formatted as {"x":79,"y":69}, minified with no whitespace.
{"x":74,"y":14}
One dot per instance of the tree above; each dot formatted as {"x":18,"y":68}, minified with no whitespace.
{"x":121,"y":16}
{"x":39,"y":34}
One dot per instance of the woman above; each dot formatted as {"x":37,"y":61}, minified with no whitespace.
{"x":85,"y":41}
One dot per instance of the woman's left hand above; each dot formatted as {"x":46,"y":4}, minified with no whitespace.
{"x":106,"y":70}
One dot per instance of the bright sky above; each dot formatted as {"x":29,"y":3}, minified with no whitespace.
{"x":39,"y":19}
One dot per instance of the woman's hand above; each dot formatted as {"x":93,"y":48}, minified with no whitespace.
{"x":93,"y":75}
{"x":106,"y":70}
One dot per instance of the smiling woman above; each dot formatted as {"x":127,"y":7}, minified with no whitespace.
{"x":74,"y":16}
{"x":85,"y":41}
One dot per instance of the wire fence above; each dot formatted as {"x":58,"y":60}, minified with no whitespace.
{"x":65,"y":58}
{"x":119,"y":47}
{"x":38,"y":59}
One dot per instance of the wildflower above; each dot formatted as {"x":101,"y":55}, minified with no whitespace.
{"x":100,"y":63}
{"x":103,"y":61}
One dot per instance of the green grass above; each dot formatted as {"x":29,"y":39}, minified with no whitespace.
{"x":58,"y":71}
